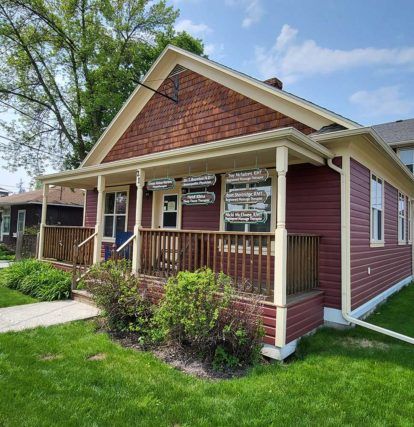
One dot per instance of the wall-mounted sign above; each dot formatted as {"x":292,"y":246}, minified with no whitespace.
{"x":251,"y":216}
{"x":196,"y":199}
{"x":247,"y":176}
{"x":161,"y":184}
{"x":249,"y":196}
{"x":200,"y":181}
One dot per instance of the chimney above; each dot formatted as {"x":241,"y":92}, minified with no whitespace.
{"x":275,"y":82}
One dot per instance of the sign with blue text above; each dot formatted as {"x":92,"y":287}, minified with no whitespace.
{"x":161,"y":184}
{"x":200,"y":181}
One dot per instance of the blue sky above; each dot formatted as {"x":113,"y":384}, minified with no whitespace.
{"x":353,"y":57}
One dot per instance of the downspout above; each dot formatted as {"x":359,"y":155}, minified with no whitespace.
{"x":345,"y":279}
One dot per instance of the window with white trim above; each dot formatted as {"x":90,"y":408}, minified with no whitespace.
{"x":410,"y":221}
{"x":5,"y":223}
{"x":21,"y":220}
{"x":377,"y":209}
{"x":407,"y":157}
{"x":115,"y":213}
{"x":402,"y":215}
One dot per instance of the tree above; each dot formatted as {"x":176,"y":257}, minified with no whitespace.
{"x":66,"y":68}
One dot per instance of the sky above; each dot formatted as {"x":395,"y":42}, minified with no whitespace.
{"x":355,"y":57}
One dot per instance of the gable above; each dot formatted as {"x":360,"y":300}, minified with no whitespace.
{"x":207,"y":111}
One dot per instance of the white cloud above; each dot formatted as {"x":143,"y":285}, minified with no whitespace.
{"x":254,"y":12}
{"x":215,"y":50}
{"x":291,"y":59}
{"x":386,"y":100}
{"x":192,"y":28}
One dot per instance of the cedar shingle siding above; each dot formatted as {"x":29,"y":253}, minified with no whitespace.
{"x":207,"y":111}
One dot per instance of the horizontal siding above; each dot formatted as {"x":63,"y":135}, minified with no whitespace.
{"x":314,"y":206}
{"x":388,"y":264}
{"x":90,"y":208}
{"x":304,"y":316}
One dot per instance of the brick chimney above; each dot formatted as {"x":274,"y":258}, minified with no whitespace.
{"x":275,"y":82}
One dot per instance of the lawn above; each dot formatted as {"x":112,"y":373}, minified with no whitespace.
{"x":352,"y":377}
{"x":9,"y":297}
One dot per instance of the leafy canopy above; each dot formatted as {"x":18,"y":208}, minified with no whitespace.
{"x":66,"y":68}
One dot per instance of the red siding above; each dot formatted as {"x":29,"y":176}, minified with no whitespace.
{"x":90,"y":208}
{"x":314,"y":206}
{"x":203,"y":217}
{"x":304,"y":316}
{"x":389,"y":264}
{"x":207,"y":111}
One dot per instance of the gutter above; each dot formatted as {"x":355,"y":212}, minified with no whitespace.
{"x":345,"y":280}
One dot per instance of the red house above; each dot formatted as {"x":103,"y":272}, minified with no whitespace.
{"x":205,"y":166}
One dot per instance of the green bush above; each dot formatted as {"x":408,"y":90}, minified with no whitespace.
{"x":6,"y":254}
{"x":37,"y":279}
{"x":121,"y":297}
{"x":202,"y":310}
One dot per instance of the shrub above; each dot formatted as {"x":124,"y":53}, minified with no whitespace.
{"x":5,"y":253}
{"x":121,"y":297}
{"x":203,"y":311}
{"x":38,"y":279}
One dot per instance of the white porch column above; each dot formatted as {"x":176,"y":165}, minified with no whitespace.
{"x":97,"y":248}
{"x":136,"y":251}
{"x":43,"y":221}
{"x":281,"y":247}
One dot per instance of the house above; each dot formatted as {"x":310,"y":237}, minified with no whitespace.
{"x":4,"y":192}
{"x":205,"y":166}
{"x":24,"y":210}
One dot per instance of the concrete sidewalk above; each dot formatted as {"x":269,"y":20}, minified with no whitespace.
{"x":30,"y":316}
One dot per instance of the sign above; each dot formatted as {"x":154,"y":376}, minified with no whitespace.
{"x":197,"y":199}
{"x":251,"y":216}
{"x":249,"y":196}
{"x":200,"y":181}
{"x":161,"y":184}
{"x":247,"y":176}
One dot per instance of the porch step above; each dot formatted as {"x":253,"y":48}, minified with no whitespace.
{"x":83,"y":296}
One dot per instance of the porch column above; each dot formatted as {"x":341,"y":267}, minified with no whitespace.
{"x":97,"y":248}
{"x":281,"y":247}
{"x":43,"y":221}
{"x":136,"y":251}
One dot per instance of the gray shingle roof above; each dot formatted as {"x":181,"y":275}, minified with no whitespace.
{"x":394,"y":132}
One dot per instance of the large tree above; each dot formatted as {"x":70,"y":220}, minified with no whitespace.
{"x":67,"y":66}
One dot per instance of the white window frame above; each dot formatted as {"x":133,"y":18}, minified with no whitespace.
{"x":177,"y":211}
{"x":24,"y":220}
{"x":410,"y":206}
{"x":111,"y":190}
{"x":3,"y":216}
{"x":376,"y":242}
{"x":403,"y":241}
{"x":399,"y":152}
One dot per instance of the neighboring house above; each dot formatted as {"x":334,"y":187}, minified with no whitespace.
{"x":4,"y":192}
{"x":20,"y":211}
{"x":296,"y":203}
{"x":400,"y":136}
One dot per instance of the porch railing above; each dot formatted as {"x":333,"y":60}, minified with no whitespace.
{"x":247,"y":257}
{"x":59,"y":242}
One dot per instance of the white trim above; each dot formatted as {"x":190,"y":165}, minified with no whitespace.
{"x":279,"y":353}
{"x":374,"y":243}
{"x":334,"y":315}
{"x":109,"y":190}
{"x":24,"y":221}
{"x":404,"y":217}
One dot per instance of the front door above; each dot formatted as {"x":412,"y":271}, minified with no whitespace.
{"x":169,"y":212}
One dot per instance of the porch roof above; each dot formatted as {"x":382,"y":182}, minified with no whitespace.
{"x":218,"y":156}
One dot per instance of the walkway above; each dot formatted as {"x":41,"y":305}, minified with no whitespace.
{"x":30,"y":316}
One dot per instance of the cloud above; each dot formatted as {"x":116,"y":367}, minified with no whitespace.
{"x":386,"y":100}
{"x":254,"y":12}
{"x":291,"y":59}
{"x":192,"y":28}
{"x":216,"y":50}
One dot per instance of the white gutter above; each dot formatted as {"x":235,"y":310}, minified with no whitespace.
{"x":345,"y":280}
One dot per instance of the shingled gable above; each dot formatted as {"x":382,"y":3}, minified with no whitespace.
{"x":273,"y":109}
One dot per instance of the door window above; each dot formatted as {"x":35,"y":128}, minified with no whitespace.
{"x":170,"y":211}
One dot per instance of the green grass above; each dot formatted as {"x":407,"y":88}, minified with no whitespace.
{"x":10,"y":297}
{"x":353,"y":377}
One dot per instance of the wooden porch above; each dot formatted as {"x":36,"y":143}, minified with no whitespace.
{"x":248,"y":258}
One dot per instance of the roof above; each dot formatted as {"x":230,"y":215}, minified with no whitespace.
{"x":304,"y":111}
{"x":57,"y":196}
{"x":3,"y":190}
{"x":398,"y":132}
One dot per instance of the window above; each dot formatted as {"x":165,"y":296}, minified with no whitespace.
{"x":115,"y":213}
{"x":170,"y":211}
{"x":410,"y":221}
{"x":5,"y":224}
{"x":407,"y":157}
{"x":21,"y":219}
{"x":377,"y":209}
{"x":267,"y":206}
{"x":402,"y":213}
